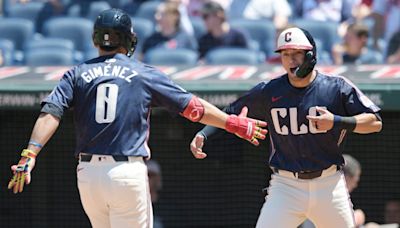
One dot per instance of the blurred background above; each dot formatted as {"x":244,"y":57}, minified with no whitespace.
{"x":217,"y":50}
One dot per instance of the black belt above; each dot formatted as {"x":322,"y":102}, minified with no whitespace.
{"x":305,"y":175}
{"x":117,"y":158}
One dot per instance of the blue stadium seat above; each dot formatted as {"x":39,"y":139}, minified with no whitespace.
{"x":18,"y":30}
{"x":261,"y":31}
{"x":96,"y":8}
{"x":78,"y":30}
{"x":198,"y":27}
{"x":50,"y":42}
{"x":143,"y":29}
{"x":29,"y":10}
{"x":49,"y":57}
{"x":236,"y":56}
{"x":324,"y":31}
{"x":7,"y":49}
{"x":161,"y":56}
{"x":147,"y":10}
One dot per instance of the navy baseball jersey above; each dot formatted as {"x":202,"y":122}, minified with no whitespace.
{"x":111,"y":97}
{"x":296,"y":145}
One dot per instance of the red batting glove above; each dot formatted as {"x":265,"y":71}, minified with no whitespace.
{"x":246,"y":128}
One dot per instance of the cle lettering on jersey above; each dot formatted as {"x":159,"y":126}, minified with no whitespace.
{"x":109,"y":71}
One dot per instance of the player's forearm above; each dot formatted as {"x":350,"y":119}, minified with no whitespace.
{"x":367,"y":123}
{"x":213,"y":116}
{"x":44,"y":128}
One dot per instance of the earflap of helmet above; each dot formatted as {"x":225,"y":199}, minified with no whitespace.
{"x":131,"y":44}
{"x":310,"y":58}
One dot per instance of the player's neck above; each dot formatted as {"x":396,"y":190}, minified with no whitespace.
{"x":117,"y":51}
{"x":302,"y":82}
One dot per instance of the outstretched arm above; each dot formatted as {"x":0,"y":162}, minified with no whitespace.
{"x":44,"y":128}
{"x":241,"y":125}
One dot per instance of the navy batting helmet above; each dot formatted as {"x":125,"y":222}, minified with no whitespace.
{"x":113,"y":29}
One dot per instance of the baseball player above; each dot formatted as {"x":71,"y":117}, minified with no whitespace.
{"x":112,"y":96}
{"x":309,"y":115}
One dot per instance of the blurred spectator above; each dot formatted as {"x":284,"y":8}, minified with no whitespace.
{"x":352,"y":172}
{"x":50,"y":9}
{"x":169,"y":34}
{"x":355,"y":11}
{"x":53,"y":8}
{"x":155,"y":184}
{"x":354,"y":49}
{"x":320,"y":10}
{"x":392,"y":212}
{"x":393,"y":49}
{"x":185,"y":23}
{"x":276,"y":11}
{"x":130,"y":7}
{"x":195,"y":6}
{"x":386,"y":14}
{"x":219,"y":33}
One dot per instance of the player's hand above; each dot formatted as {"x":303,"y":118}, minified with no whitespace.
{"x":324,"y":121}
{"x":196,"y":146}
{"x":22,"y":172}
{"x":246,"y":128}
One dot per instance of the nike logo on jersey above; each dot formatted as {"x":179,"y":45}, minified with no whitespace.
{"x":274,"y":99}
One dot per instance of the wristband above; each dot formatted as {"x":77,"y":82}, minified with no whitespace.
{"x":28,"y":153}
{"x":346,"y":122}
{"x":31,"y":142}
{"x":202,"y":134}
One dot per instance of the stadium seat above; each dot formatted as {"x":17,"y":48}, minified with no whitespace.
{"x":261,"y":31}
{"x":49,"y":57}
{"x":143,"y":29}
{"x":50,"y":42}
{"x":161,"y":56}
{"x":96,"y":8}
{"x":147,"y":10}
{"x":18,"y":30}
{"x":78,"y":30}
{"x":236,"y":56}
{"x":324,"y":31}
{"x":6,"y":48}
{"x":198,"y":27}
{"x":29,"y":10}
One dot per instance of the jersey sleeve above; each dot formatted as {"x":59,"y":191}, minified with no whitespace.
{"x":355,"y":100}
{"x":63,"y":94}
{"x":255,"y":100}
{"x":165,"y":93}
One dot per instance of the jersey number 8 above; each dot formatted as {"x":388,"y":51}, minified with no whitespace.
{"x":106,"y":103}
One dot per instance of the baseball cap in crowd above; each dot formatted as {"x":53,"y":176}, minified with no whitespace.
{"x":211,"y":7}
{"x":293,"y":38}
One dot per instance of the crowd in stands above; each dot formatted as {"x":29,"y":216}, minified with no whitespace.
{"x":202,"y":31}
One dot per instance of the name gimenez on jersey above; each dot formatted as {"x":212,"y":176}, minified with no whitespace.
{"x":109,"y":71}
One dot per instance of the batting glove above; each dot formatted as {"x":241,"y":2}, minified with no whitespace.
{"x":246,"y":128}
{"x":22,"y":171}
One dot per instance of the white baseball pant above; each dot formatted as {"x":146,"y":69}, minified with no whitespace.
{"x":324,"y":200}
{"x":115,"y":194}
